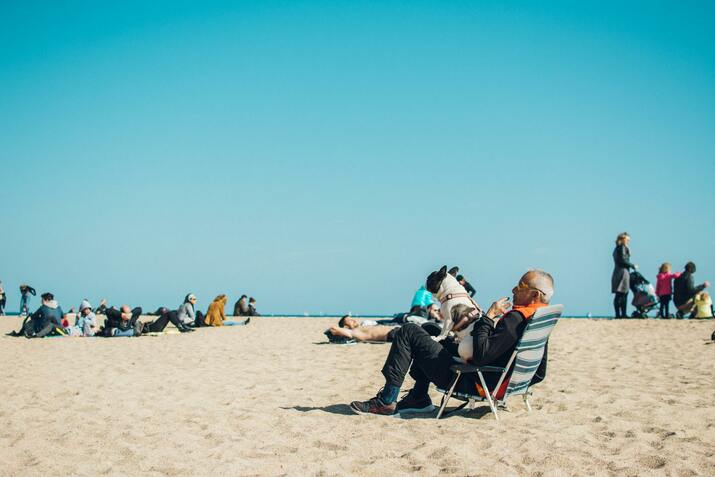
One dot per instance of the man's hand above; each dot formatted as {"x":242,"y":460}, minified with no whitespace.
{"x":498,"y":308}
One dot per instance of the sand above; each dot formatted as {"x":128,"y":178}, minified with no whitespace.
{"x":621,"y":398}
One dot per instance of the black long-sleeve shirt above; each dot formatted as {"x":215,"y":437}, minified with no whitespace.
{"x":493,"y":346}
{"x":114,"y":319}
{"x":684,"y":288}
{"x":469,"y":288}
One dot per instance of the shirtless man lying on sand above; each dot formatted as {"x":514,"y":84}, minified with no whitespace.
{"x":351,"y":328}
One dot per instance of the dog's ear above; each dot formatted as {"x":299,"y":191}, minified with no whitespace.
{"x":434,"y":279}
{"x":453,"y":271}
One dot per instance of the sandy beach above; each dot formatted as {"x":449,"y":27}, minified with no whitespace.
{"x":621,"y":398}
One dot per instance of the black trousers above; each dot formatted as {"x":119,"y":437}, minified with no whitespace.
{"x":2,"y":305}
{"x":413,"y":350}
{"x":158,"y":325}
{"x":664,"y":305}
{"x":620,"y":302}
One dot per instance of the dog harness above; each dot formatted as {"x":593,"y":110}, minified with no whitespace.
{"x":450,"y":296}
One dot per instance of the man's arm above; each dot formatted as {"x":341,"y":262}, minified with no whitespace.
{"x":470,"y":289}
{"x":492,"y":342}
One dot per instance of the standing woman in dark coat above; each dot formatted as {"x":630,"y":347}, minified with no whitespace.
{"x":621,"y":278}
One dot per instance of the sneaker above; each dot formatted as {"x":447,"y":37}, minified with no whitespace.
{"x":373,"y":406}
{"x":411,"y":404}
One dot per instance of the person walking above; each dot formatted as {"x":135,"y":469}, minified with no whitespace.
{"x":621,"y":278}
{"x":3,"y":299}
{"x":25,"y":292}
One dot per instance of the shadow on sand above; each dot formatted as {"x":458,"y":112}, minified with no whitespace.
{"x":344,"y":410}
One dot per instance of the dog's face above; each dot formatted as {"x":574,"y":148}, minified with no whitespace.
{"x":434,"y":279}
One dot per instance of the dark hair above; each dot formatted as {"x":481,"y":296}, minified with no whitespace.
{"x":453,"y":271}
{"x":251,"y":300}
{"x":341,"y":323}
{"x":460,"y":278}
{"x":243,"y":297}
{"x":690,"y":267}
{"x":48,"y":296}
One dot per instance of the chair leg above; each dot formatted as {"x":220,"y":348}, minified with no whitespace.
{"x":446,"y":397}
{"x":526,"y":401}
{"x":489,"y":397}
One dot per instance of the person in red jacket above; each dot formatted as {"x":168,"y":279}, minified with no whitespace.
{"x":495,"y":334}
{"x":664,"y":288}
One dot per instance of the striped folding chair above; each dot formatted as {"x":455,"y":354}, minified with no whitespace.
{"x":526,"y":359}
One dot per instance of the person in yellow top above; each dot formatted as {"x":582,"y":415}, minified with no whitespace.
{"x":215,"y":315}
{"x":703,"y":305}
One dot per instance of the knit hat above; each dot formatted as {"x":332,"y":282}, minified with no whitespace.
{"x":85,"y":304}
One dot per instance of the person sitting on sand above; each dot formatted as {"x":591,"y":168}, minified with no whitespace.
{"x":85,"y":323}
{"x":122,"y":322}
{"x":241,"y":306}
{"x":215,"y":315}
{"x":187,"y":313}
{"x":46,"y":320}
{"x":434,"y":314}
{"x":496,"y":335}
{"x":703,"y":305}
{"x":102,"y":308}
{"x":421,"y":301}
{"x":166,"y":316}
{"x":684,"y":290}
{"x":252,"y":307}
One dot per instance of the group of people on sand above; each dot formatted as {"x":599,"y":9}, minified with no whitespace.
{"x":428,"y":358}
{"x":690,"y":300}
{"x":50,"y":320}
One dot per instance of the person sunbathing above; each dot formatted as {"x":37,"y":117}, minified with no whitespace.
{"x":122,"y":322}
{"x":368,"y":330}
{"x":495,"y":334}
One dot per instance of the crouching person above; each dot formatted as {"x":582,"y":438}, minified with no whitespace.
{"x":495,"y":337}
{"x":122,"y":322}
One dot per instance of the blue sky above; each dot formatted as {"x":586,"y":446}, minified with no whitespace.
{"x":325,"y":157}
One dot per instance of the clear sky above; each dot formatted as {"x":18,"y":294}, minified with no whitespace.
{"x":326,"y":156}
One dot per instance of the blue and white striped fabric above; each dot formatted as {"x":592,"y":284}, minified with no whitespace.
{"x":530,"y":349}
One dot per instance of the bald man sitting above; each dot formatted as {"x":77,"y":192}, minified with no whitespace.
{"x":495,"y":336}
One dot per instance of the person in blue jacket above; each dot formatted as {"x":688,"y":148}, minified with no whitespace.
{"x":421,"y":302}
{"x":44,"y":321}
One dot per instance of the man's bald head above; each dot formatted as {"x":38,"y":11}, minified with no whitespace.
{"x":126,"y":309}
{"x":541,"y":281}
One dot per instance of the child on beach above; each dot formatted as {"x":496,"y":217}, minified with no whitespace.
{"x":703,"y":305}
{"x":664,"y":288}
{"x":86,"y":321}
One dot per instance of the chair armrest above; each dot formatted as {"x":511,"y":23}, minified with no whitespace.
{"x":471,"y":369}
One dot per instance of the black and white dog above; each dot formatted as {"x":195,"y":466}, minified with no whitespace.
{"x":457,"y":307}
